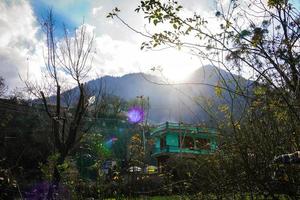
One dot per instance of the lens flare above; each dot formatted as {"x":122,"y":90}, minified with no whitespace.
{"x":135,"y":114}
{"x":40,"y":191}
{"x":109,"y":143}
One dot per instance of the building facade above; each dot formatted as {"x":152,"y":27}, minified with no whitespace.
{"x":182,"y":140}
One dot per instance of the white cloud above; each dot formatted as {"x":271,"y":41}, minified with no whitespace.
{"x":19,"y":46}
{"x":96,"y":10}
{"x":22,"y":48}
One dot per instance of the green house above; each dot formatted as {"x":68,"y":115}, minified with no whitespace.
{"x":178,"y":139}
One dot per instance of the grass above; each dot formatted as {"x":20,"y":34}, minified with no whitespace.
{"x":184,"y":197}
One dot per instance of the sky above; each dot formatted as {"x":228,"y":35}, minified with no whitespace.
{"x":117,"y":49}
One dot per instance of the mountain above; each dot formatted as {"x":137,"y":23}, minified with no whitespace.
{"x":187,"y":102}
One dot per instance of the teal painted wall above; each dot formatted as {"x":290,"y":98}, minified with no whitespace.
{"x":157,"y":142}
{"x":172,"y":139}
{"x":171,"y":132}
{"x":213,"y":144}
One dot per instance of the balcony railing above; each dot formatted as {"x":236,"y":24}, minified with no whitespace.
{"x":184,"y":127}
{"x":176,"y":149}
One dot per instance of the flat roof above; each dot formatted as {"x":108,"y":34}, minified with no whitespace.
{"x":187,"y":128}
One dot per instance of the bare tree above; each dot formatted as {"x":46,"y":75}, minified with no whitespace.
{"x":72,"y":56}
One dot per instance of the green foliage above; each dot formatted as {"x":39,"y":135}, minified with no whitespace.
{"x":258,"y":91}
{"x":257,"y":37}
{"x":243,"y":165}
{"x":252,"y":143}
{"x":91,"y":155}
{"x":109,"y":106}
{"x":24,"y":146}
{"x":68,"y":171}
{"x":218,"y":90}
{"x":274,"y":3}
{"x":8,"y":183}
{"x":48,"y":167}
{"x":136,"y":151}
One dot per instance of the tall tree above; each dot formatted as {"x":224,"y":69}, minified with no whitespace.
{"x":73,"y":56}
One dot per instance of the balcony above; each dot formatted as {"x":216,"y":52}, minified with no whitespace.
{"x":178,"y":138}
{"x":184,"y":128}
{"x":169,"y":149}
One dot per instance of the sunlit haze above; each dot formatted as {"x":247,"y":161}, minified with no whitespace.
{"x":116,"y":48}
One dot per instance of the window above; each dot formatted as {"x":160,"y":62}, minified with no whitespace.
{"x":163,"y":142}
{"x":187,"y":142}
{"x":202,"y":143}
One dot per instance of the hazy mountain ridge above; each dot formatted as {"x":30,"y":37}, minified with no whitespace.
{"x":168,"y":102}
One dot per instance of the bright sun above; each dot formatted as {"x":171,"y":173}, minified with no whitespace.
{"x":177,"y":74}
{"x":173,"y":64}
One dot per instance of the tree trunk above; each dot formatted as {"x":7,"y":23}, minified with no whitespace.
{"x":56,"y":178}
